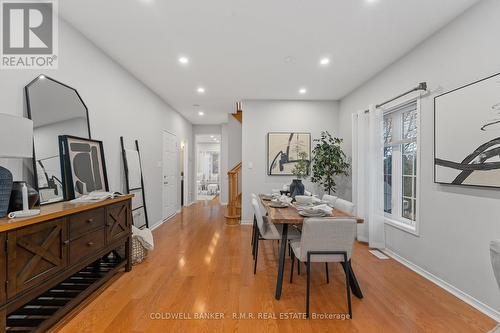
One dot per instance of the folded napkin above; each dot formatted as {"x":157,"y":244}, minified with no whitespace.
{"x":315,"y":200}
{"x":145,"y":237}
{"x":285,"y":199}
{"x":323,"y":208}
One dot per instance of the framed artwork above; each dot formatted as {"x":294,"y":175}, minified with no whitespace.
{"x":467,"y":134}
{"x":83,"y":165}
{"x":283,"y":151}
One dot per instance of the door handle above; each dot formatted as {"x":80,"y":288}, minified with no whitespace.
{"x":165,"y":183}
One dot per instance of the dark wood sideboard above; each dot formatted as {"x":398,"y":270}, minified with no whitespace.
{"x":49,"y":263}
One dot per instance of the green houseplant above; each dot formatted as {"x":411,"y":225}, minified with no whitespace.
{"x":300,"y":171}
{"x":329,"y":161}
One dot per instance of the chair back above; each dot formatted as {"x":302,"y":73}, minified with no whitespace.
{"x":327,"y":234}
{"x":345,"y":206}
{"x":330,"y":199}
{"x":258,"y":215}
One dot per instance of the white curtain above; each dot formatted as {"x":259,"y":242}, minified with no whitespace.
{"x":368,"y":176}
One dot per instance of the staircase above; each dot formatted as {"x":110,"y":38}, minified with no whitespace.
{"x":233,"y":212}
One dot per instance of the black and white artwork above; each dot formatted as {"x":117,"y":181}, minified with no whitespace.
{"x":85,"y":169}
{"x":467,"y":134}
{"x":284,"y":149}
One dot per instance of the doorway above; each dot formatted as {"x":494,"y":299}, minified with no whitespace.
{"x":207,"y":166}
{"x":170,"y":174}
{"x":184,"y":167}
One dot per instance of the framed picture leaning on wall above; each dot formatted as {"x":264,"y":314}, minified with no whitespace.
{"x":83,"y":165}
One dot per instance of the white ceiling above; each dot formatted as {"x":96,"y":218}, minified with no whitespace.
{"x":255,"y":49}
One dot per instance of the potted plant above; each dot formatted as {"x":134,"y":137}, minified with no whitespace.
{"x":300,"y":171}
{"x":329,"y":161}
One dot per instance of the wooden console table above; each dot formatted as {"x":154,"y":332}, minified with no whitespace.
{"x":52,"y":261}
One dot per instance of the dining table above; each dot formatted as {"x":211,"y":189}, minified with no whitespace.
{"x":290,"y":216}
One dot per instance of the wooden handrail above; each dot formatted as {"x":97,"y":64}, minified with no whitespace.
{"x":236,"y":169}
{"x":234,"y":195}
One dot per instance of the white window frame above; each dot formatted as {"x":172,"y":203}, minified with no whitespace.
{"x":395,"y":219}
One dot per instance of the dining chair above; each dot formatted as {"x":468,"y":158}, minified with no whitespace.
{"x":345,"y":206}
{"x":330,"y":199}
{"x":267,"y":231}
{"x":325,"y":240}
{"x":254,"y":225}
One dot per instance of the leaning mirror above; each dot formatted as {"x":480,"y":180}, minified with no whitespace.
{"x":56,"y":109}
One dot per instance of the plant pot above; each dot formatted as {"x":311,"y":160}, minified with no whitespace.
{"x":16,"y":197}
{"x":296,"y":188}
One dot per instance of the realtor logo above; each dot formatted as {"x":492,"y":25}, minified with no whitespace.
{"x":29,"y":34}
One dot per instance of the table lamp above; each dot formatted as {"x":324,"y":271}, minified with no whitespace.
{"x":16,"y":141}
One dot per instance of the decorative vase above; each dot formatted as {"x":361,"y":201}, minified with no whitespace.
{"x":5,"y":189}
{"x":296,"y":188}
{"x":16,"y":197}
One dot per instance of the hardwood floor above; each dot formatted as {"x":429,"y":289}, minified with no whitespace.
{"x":200,"y":265}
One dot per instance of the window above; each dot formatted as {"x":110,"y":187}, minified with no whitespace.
{"x":400,"y":130}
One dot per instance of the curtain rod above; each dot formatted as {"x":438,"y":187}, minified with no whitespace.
{"x":421,"y":86}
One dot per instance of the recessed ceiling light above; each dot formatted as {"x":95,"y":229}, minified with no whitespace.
{"x":212,"y":136}
{"x":324,"y":61}
{"x":201,"y":113}
{"x":371,"y":1}
{"x":302,"y":91}
{"x":200,"y":90}
{"x":184,"y":60}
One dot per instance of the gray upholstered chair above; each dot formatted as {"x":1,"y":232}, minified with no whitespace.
{"x":330,"y":199}
{"x":344,"y":205}
{"x":267,"y":231}
{"x":325,"y":240}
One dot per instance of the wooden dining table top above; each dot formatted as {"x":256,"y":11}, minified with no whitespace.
{"x":290,"y":215}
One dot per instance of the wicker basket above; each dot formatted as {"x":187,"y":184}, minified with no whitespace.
{"x":139,"y":252}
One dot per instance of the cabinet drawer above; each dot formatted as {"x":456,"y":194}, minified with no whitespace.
{"x":82,"y":223}
{"x":86,"y":245}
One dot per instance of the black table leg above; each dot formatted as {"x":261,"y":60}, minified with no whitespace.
{"x":356,"y":290}
{"x":281,"y":263}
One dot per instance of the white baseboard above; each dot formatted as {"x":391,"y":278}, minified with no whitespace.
{"x":159,"y":223}
{"x":486,"y":309}
{"x":162,"y":221}
{"x":246,"y":222}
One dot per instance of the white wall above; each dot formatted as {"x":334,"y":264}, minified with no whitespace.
{"x":262,"y":117}
{"x":234,"y":141}
{"x":456,"y":223}
{"x":119,"y":105}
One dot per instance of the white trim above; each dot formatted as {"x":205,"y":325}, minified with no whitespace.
{"x":390,"y":221}
{"x":478,"y":305}
{"x":158,"y":224}
{"x":393,"y":220}
{"x":246,"y":222}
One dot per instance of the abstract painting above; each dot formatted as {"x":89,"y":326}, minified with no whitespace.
{"x":283,"y":151}
{"x":467,"y":134}
{"x":85,"y":169}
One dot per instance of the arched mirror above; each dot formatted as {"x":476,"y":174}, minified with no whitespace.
{"x":56,"y":109}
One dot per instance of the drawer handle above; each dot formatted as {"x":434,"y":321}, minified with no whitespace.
{"x":90,"y":243}
{"x":90,"y":220}
{"x":66,"y":242}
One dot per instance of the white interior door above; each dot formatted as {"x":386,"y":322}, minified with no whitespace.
{"x":170,"y":174}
